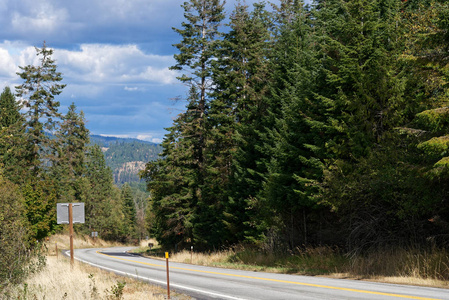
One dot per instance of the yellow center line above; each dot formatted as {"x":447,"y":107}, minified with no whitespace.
{"x":277,"y":280}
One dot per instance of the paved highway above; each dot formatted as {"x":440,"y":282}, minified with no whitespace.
{"x":217,"y":283}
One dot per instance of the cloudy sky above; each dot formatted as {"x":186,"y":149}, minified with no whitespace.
{"x":114,"y":56}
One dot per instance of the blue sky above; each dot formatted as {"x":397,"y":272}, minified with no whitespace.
{"x":114,"y":56}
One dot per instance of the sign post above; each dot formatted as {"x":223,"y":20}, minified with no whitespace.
{"x":94,"y":234}
{"x":71,"y":234}
{"x":70,"y":213}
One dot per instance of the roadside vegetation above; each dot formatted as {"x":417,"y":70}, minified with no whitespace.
{"x":412,"y":266}
{"x":54,"y":279}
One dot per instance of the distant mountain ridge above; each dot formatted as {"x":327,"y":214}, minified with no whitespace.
{"x":104,"y":141}
{"x":126,"y":156}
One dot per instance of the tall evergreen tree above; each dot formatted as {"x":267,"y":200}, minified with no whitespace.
{"x":241,"y":74}
{"x":69,"y":162}
{"x":296,"y":141}
{"x":365,"y":86}
{"x":12,"y":142}
{"x":99,"y":191}
{"x":129,"y":212}
{"x":172,"y":182}
{"x":9,"y":108}
{"x":364,"y":82}
{"x":41,"y":86}
{"x":426,"y":34}
{"x":197,"y":51}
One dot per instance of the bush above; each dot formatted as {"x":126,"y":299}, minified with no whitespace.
{"x":14,"y":254}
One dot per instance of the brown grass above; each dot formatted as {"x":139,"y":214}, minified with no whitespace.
{"x":414,"y":267}
{"x":58,"y":281}
{"x":204,"y":259}
{"x":62,"y":241}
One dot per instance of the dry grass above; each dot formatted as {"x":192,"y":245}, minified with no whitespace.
{"x":425,"y":268}
{"x":204,"y":259}
{"x":63,"y":242}
{"x":58,"y":281}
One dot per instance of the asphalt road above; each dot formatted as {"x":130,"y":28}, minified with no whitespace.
{"x":217,"y":283}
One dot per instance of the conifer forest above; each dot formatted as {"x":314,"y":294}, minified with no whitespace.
{"x":308,"y":125}
{"x":305,"y":125}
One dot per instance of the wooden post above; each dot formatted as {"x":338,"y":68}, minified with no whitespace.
{"x":168,"y":277}
{"x":71,"y":234}
{"x":56,"y":249}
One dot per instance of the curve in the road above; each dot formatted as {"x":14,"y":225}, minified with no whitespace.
{"x":274,"y":280}
{"x":215,"y":283}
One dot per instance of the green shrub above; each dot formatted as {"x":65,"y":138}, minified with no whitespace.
{"x":14,"y":254}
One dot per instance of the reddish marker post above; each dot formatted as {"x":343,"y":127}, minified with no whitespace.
{"x":71,"y":234}
{"x":168,"y":277}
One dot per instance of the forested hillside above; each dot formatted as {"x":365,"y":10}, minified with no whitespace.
{"x":308,"y":125}
{"x":45,"y":159}
{"x":126,"y":156}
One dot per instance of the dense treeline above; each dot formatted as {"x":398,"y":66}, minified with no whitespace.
{"x":44,"y":159}
{"x":308,"y":125}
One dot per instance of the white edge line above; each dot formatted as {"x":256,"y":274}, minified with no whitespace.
{"x":155,"y":280}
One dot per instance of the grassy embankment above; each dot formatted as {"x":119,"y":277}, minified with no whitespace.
{"x":58,"y":281}
{"x":426,"y":268}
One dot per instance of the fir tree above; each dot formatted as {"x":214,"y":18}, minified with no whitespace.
{"x":241,"y":76}
{"x":69,"y":162}
{"x":41,"y":86}
{"x":296,"y":141}
{"x":365,"y":87}
{"x":197,"y":51}
{"x":12,"y":142}
{"x":129,"y":212}
{"x":426,"y":34}
{"x":364,"y":82}
{"x":99,"y":192}
{"x":172,"y":182}
{"x":9,"y":109}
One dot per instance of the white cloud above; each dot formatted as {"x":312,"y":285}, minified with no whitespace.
{"x":142,"y":137}
{"x":90,"y":69}
{"x":38,"y":16}
{"x":131,"y":89}
{"x":115,"y":64}
{"x":124,"y":136}
{"x":8,"y":67}
{"x":149,"y":138}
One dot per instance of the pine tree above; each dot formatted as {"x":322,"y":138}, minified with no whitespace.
{"x":426,"y":34}
{"x":129,"y":212}
{"x":69,"y":162}
{"x":9,"y":109}
{"x":41,"y":86}
{"x":172,"y":182}
{"x":12,"y":142}
{"x":364,"y":81}
{"x":366,"y":89}
{"x":241,"y":76}
{"x":296,"y":141}
{"x":99,"y":197}
{"x":197,"y":51}
{"x":426,"y":54}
